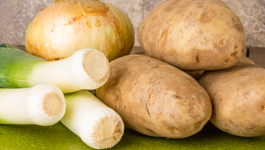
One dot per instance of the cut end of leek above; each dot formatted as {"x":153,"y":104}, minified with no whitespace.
{"x":96,"y":65}
{"x":46,"y":104}
{"x":52,"y":104}
{"x":107,"y":132}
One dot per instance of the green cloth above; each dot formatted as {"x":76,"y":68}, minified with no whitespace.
{"x":58,"y":137}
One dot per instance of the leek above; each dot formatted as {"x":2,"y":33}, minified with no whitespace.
{"x":42,"y":104}
{"x":95,"y":123}
{"x":85,"y":69}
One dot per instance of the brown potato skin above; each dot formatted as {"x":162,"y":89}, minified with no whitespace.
{"x":155,"y":98}
{"x":193,"y":34}
{"x":195,"y":74}
{"x":246,"y":59}
{"x":238,"y":99}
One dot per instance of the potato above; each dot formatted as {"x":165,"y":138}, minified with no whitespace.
{"x":238,"y":99}
{"x":195,"y":74}
{"x":246,"y":59}
{"x":193,"y":34}
{"x":155,"y":98}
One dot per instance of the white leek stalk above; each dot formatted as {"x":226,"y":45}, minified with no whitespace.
{"x":43,"y":104}
{"x":85,"y":69}
{"x":95,"y":123}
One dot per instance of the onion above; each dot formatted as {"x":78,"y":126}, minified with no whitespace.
{"x":69,"y":25}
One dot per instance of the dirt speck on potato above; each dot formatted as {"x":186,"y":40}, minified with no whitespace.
{"x":198,"y":59}
{"x":200,"y":4}
{"x":207,"y":16}
{"x":172,"y":116}
{"x":177,"y":97}
{"x":234,"y":55}
{"x":222,"y":43}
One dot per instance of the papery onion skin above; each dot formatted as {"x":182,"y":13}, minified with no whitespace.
{"x":65,"y":27}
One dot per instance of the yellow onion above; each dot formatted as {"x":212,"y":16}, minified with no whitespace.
{"x":69,"y":25}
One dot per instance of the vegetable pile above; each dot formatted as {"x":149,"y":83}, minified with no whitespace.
{"x":193,"y":71}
